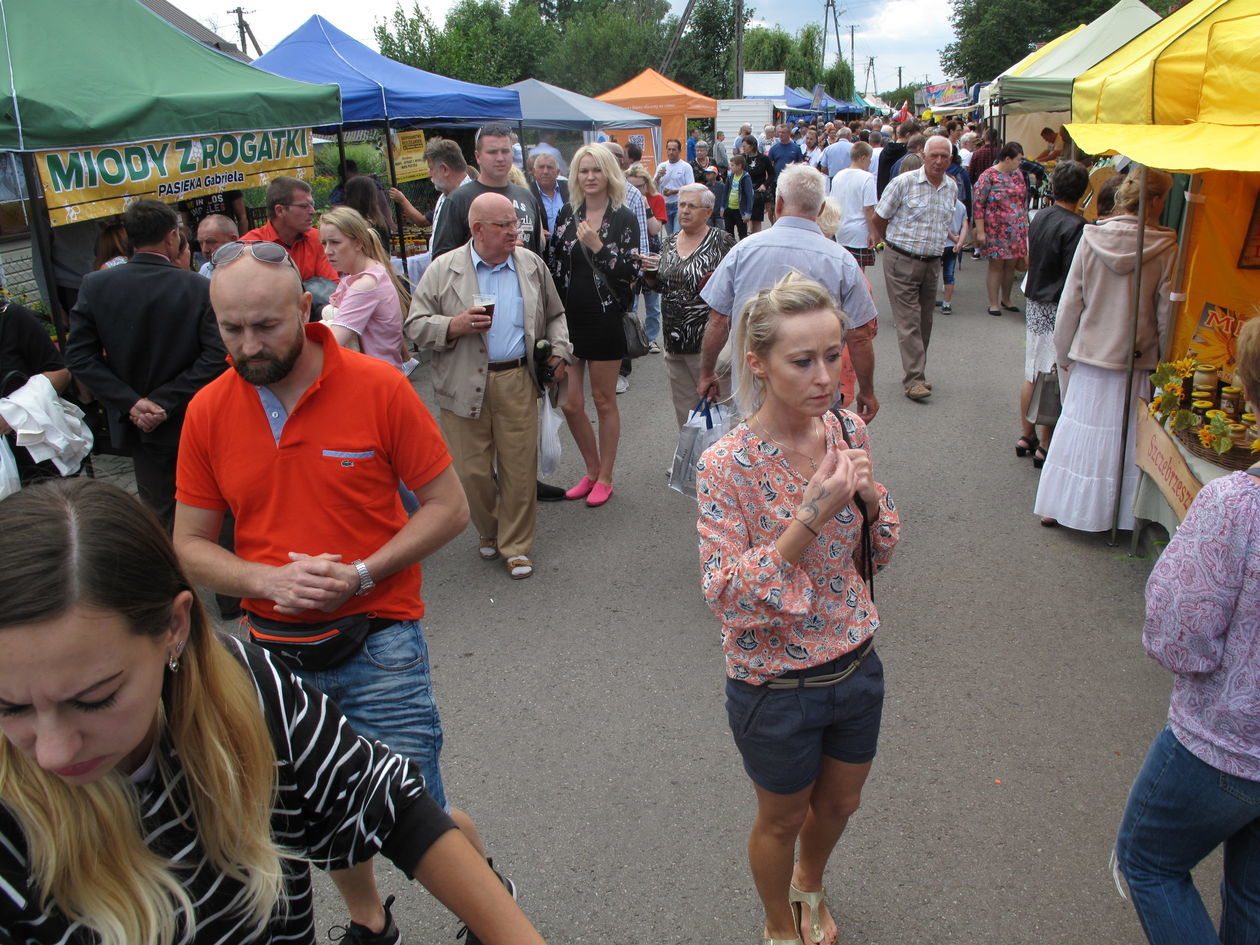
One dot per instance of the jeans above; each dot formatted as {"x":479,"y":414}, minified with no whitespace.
{"x":386,"y":694}
{"x":652,"y":320}
{"x":1180,"y":809}
{"x":949,"y":261}
{"x":671,"y":218}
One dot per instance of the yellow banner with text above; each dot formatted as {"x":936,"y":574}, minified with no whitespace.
{"x":89,"y":183}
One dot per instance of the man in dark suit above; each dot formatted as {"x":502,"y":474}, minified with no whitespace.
{"x":144,"y":340}
{"x":550,"y":192}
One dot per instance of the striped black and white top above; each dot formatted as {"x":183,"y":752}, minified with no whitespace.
{"x":341,"y":800}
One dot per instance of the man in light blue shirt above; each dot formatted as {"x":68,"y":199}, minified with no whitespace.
{"x":485,"y":376}
{"x":793,"y":244}
{"x":836,"y":156}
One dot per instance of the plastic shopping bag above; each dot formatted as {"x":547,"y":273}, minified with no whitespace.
{"x":708,"y":423}
{"x":10,"y":482}
{"x":550,"y":419}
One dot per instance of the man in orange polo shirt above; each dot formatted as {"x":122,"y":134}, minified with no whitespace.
{"x":305,"y":443}
{"x":290,"y":213}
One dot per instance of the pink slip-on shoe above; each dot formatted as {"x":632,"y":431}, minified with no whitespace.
{"x":581,"y":489}
{"x":601,"y":492}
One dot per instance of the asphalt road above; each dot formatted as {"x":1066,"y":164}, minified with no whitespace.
{"x":586,"y":731}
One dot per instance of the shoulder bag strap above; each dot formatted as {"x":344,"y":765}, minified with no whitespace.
{"x":868,"y":561}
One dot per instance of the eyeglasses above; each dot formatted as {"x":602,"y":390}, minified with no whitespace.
{"x":512,"y":225}
{"x":304,"y":206}
{"x":262,"y":250}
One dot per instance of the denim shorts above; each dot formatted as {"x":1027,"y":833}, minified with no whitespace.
{"x":949,"y":260}
{"x":385,"y":693}
{"x":783,"y":734}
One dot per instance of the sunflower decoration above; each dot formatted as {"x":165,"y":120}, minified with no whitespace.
{"x":1205,"y":436}
{"x":1215,"y":435}
{"x":1169,"y":382}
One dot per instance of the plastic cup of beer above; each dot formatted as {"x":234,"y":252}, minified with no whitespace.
{"x":486,"y":302}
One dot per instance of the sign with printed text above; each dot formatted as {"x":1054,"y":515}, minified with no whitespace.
{"x":949,"y":92}
{"x":1159,"y":457}
{"x":409,"y":162}
{"x":89,"y":183}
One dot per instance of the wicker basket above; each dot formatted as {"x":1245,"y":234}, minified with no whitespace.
{"x":1237,"y":458}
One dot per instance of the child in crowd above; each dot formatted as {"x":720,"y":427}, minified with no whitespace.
{"x":959,"y":230}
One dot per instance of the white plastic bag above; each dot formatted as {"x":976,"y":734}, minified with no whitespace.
{"x":708,"y":423}
{"x":550,"y":419}
{"x":9,"y":480}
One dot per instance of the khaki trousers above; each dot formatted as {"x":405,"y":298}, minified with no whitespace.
{"x":684,"y":378}
{"x":911,"y":287}
{"x":496,"y":458}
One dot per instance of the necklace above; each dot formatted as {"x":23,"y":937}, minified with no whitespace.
{"x":813,"y":463}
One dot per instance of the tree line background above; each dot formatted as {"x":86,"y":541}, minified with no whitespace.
{"x":591,"y":46}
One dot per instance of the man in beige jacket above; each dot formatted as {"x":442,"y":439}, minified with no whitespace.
{"x":484,"y":371}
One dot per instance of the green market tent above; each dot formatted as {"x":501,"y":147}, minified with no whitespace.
{"x":114,"y":72}
{"x":1046,"y":84}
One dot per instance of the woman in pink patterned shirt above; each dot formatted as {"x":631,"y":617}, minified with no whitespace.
{"x":784,"y":501}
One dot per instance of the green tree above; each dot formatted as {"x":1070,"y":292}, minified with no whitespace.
{"x":705,"y":58}
{"x":607,"y":42}
{"x":482,"y":41}
{"x":903,"y":94}
{"x":800,"y":56}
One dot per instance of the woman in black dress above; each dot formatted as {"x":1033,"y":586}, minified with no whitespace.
{"x":594,"y":266}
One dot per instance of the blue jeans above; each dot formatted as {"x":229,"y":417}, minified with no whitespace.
{"x":1180,"y":809}
{"x":949,"y":260}
{"x":671,"y":218}
{"x":385,"y":693}
{"x":652,"y":321}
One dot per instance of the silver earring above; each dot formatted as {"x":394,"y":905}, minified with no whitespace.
{"x":172,"y":662}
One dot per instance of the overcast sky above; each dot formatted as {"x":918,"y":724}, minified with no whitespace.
{"x":906,"y":33}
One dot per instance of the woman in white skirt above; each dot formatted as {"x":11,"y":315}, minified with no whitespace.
{"x":1092,"y":333}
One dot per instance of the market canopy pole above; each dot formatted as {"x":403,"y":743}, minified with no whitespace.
{"x":1132,"y":356}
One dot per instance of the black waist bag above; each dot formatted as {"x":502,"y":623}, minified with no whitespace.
{"x":312,"y":645}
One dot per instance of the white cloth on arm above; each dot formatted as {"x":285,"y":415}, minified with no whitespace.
{"x":47,"y":426}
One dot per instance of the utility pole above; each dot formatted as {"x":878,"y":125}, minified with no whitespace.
{"x":243,"y":28}
{"x":870,"y":75}
{"x":673,"y":45}
{"x":853,"y":58}
{"x":899,"y":77}
{"x":739,"y":48}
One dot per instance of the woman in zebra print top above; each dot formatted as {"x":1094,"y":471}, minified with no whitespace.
{"x":160,"y":784}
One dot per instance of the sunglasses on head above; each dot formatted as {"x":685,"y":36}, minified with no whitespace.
{"x":262,"y":250}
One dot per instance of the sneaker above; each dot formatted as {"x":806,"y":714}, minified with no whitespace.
{"x":946,"y":308}
{"x":468,"y":934}
{"x":939,"y":303}
{"x":623,"y":383}
{"x":355,"y":934}
{"x":653,"y":348}
{"x":918,"y":392}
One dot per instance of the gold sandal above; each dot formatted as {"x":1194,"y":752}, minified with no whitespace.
{"x":796,"y":921}
{"x":815,"y":902}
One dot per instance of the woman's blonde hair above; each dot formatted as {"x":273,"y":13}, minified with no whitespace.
{"x":612,"y":173}
{"x":517,"y":176}
{"x":758,"y":327}
{"x":85,"y":542}
{"x":352,"y":224}
{"x":638,"y":170}
{"x":1158,"y":183}
{"x":829,"y":217}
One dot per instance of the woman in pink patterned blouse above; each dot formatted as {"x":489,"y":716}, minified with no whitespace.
{"x":1200,"y":785}
{"x":784,"y":501}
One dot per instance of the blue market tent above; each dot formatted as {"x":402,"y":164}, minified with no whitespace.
{"x":376,"y":89}
{"x":800,"y":100}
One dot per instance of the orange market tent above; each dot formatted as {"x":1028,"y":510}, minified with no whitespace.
{"x":1181,"y":96}
{"x":654,"y":94}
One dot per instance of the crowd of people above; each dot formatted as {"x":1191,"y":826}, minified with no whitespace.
{"x":274,"y":379}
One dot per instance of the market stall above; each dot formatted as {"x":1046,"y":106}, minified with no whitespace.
{"x":176,"y":120}
{"x":1180,"y":97}
{"x":654,"y":94}
{"x":551,"y":107}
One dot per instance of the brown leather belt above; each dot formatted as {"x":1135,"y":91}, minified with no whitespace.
{"x":906,"y":252}
{"x":505,"y":365}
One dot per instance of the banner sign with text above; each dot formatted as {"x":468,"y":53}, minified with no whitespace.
{"x":89,"y":183}
{"x":949,"y":92}
{"x":409,"y":162}
{"x":1159,"y":457}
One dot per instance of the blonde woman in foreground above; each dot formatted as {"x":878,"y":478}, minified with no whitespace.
{"x":160,"y":784}
{"x":791,"y":519}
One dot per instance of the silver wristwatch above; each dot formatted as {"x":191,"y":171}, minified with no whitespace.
{"x":365,"y":578}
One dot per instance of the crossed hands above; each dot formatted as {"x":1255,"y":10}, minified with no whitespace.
{"x":147,"y":415}
{"x":842,"y":474}
{"x":311,"y":582}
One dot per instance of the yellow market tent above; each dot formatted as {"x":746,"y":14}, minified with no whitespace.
{"x":1181,"y":96}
